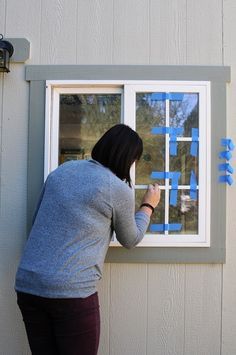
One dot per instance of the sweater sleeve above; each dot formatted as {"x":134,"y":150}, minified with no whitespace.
{"x":39,"y":202}
{"x":129,"y":226}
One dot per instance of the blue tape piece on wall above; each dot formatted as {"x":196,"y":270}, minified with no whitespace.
{"x":226,"y":179}
{"x":226,"y":167}
{"x":227,"y":142}
{"x":225,"y":155}
{"x":194,"y":144}
{"x":165,"y":227}
{"x":193,"y":186}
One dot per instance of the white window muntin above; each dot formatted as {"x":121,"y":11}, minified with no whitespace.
{"x":129,"y":89}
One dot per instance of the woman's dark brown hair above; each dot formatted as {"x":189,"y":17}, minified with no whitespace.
{"x":118,"y":149}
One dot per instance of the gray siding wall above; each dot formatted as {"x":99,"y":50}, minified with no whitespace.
{"x":146,"y":309}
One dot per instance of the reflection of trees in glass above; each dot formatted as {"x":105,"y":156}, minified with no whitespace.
{"x":84,"y":118}
{"x":150,"y":113}
{"x":185,"y":113}
{"x":186,"y":213}
{"x":184,"y":163}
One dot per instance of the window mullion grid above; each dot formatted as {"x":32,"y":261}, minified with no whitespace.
{"x":167,"y":165}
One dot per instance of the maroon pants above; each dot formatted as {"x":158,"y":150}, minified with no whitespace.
{"x":62,"y":326}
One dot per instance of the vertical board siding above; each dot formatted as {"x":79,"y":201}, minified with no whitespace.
{"x":166,"y":293}
{"x":229,"y":269}
{"x":203,"y":310}
{"x":23,"y":20}
{"x":204,"y":32}
{"x":13,"y":203}
{"x":128,"y":309}
{"x":58,"y":32}
{"x":165,"y":331}
{"x":168,"y":32}
{"x":128,"y":302}
{"x":131,"y":32}
{"x":104,"y":300}
{"x":203,"y":290}
{"x":94,"y":32}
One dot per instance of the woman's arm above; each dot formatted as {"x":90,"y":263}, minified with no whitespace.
{"x":129,"y":226}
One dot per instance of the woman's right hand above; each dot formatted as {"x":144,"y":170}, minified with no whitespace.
{"x":152,"y":195}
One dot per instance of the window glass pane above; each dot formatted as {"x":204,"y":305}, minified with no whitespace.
{"x":159,"y":214}
{"x":186,"y":213}
{"x":184,"y":112}
{"x":183,"y":162}
{"x":84,"y":118}
{"x":150,"y":112}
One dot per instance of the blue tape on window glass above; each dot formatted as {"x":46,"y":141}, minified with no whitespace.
{"x":227,"y":142}
{"x":174,"y":176}
{"x":176,"y":96}
{"x":173,"y":145}
{"x":165,"y":227}
{"x":174,"y":188}
{"x":226,"y":167}
{"x":158,"y":96}
{"x":158,"y":175}
{"x":193,"y":186}
{"x":174,"y":131}
{"x":225,"y":155}
{"x":226,"y":179}
{"x":194,"y":144}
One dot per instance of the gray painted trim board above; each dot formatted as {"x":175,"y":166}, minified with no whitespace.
{"x":218,"y":77}
{"x":127,"y":72}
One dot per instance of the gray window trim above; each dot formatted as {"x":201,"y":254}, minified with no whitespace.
{"x":218,"y":75}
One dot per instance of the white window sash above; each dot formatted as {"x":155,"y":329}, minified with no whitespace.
{"x":128,"y":89}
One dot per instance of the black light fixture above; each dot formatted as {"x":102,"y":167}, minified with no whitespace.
{"x":6,"y":51}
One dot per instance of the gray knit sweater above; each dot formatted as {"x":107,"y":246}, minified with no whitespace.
{"x":81,"y":204}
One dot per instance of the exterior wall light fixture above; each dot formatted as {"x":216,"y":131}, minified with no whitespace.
{"x":6,"y":51}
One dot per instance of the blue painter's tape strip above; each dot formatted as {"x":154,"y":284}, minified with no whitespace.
{"x":194,"y":144}
{"x":173,"y":197}
{"x":174,"y":187}
{"x":158,"y":175}
{"x":159,"y":130}
{"x":165,"y":227}
{"x":157,"y":228}
{"x":226,"y":167}
{"x":226,"y":179}
{"x":174,"y":131}
{"x":225,"y":155}
{"x":227,"y":142}
{"x":158,"y":96}
{"x":173,"y":145}
{"x":193,"y":186}
{"x":176,"y":96}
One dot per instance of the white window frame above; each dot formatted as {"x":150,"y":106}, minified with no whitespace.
{"x":128,"y":90}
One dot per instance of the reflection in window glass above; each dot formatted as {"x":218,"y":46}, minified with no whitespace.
{"x":150,"y":112}
{"x":184,"y":163}
{"x":184,"y":111}
{"x":84,"y":118}
{"x":159,"y":214}
{"x":186,"y":213}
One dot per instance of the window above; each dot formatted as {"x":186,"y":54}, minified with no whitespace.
{"x":173,"y":119}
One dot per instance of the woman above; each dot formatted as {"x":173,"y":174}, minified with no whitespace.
{"x":81,"y":204}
